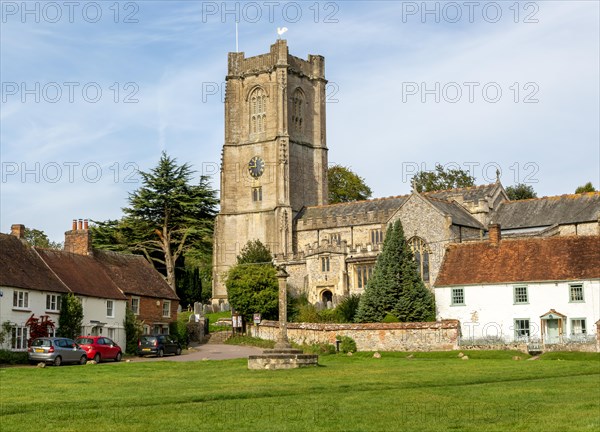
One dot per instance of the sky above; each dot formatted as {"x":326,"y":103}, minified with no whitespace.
{"x":92,"y":92}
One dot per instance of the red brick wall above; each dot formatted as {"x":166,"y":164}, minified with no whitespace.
{"x":151,"y":313}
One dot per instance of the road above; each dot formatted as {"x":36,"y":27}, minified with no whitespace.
{"x":206,"y":352}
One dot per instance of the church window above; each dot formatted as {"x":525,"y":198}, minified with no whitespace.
{"x":257,"y":194}
{"x":335,"y":238}
{"x":298,"y":111}
{"x":258,"y":111}
{"x":421,"y":254}
{"x":325,"y":264}
{"x":376,"y":236}
{"x":363,"y":274}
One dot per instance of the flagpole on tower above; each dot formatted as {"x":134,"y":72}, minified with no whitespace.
{"x":237,"y":47}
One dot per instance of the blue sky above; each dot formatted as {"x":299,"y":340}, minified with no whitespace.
{"x":92,"y":91}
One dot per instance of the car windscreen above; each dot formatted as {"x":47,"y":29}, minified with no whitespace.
{"x":85,"y":341}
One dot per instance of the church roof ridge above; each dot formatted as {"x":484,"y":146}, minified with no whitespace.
{"x":467,"y":188}
{"x":556,"y":197}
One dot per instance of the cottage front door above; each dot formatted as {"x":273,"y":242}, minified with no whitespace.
{"x":552,"y":335}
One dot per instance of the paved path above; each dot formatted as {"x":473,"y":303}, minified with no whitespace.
{"x":206,"y":352}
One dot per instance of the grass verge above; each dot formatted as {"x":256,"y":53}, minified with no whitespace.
{"x":346,"y":393}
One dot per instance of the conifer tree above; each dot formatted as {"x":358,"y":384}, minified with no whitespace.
{"x":396,"y":287}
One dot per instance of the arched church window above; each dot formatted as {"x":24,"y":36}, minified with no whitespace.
{"x":298,"y":111}
{"x":258,"y":111}
{"x":421,"y":253}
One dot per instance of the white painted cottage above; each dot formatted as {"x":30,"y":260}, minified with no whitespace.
{"x":545,"y":289}
{"x":32,"y":281}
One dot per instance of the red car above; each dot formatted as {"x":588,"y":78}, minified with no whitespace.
{"x":100,"y":348}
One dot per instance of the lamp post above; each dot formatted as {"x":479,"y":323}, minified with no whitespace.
{"x":282,"y":341}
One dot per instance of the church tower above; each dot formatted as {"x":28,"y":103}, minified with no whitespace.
{"x":274,"y":159}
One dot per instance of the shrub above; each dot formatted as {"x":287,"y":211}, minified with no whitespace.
{"x":348,"y":307}
{"x":10,"y":357}
{"x":319,"y":349}
{"x":133,"y":330}
{"x":347,"y":344}
{"x":389,"y":318}
{"x":179,"y":329}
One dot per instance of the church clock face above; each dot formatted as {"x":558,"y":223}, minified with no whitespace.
{"x":256,"y":166}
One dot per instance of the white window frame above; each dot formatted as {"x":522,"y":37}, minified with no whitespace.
{"x":18,"y":338}
{"x":579,"y":286}
{"x":168,"y":308}
{"x":53,"y":298}
{"x":582,"y":326}
{"x":136,"y":311}
{"x":110,"y":307}
{"x":516,"y":296}
{"x":21,"y":300}
{"x":518,"y":329}
{"x":453,"y":297}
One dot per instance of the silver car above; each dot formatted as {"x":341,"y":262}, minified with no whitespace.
{"x":56,"y":350}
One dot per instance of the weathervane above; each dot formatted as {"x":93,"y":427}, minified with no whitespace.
{"x":281,"y":31}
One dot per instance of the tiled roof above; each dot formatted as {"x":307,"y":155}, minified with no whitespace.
{"x":524,"y":260}
{"x":135,"y":275}
{"x":547,"y":211}
{"x":83,"y":274}
{"x":21,"y":267}
{"x":473,"y":193}
{"x":459,"y":215}
{"x":382,"y":208}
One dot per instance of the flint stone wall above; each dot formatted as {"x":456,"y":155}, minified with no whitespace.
{"x":428,"y":336}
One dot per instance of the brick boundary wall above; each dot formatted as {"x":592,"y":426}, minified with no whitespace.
{"x":426,"y":336}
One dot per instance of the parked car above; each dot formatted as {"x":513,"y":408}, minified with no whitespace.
{"x":56,"y":350}
{"x":158,"y":345}
{"x":100,"y":348}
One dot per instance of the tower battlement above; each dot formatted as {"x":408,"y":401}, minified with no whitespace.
{"x":239,"y":65}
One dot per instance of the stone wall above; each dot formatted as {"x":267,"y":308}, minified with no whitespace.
{"x":429,"y":336}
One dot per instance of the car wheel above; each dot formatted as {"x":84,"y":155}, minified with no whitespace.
{"x":160,"y":353}
{"x":178,"y":351}
{"x":97,"y":358}
{"x":57,"y":361}
{"x":119,"y":356}
{"x":83,"y":360}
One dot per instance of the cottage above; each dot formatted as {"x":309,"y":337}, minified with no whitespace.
{"x":545,"y":289}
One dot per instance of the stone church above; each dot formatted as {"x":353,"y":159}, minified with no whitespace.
{"x":274,"y":189}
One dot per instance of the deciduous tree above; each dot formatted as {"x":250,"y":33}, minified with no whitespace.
{"x":346,"y":186}
{"x":588,"y":187}
{"x":252,"y":285}
{"x":71,"y":317}
{"x":440,"y":179}
{"x":520,"y":191}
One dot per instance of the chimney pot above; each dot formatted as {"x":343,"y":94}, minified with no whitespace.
{"x":85,"y":224}
{"x":17,"y":230}
{"x":495,"y":233}
{"x":74,"y":224}
{"x":79,"y":225}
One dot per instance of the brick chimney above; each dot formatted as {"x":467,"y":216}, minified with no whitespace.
{"x":18,"y":231}
{"x":79,"y":239}
{"x":494,"y":234}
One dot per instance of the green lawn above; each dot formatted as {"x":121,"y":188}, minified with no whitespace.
{"x":359,"y":393}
